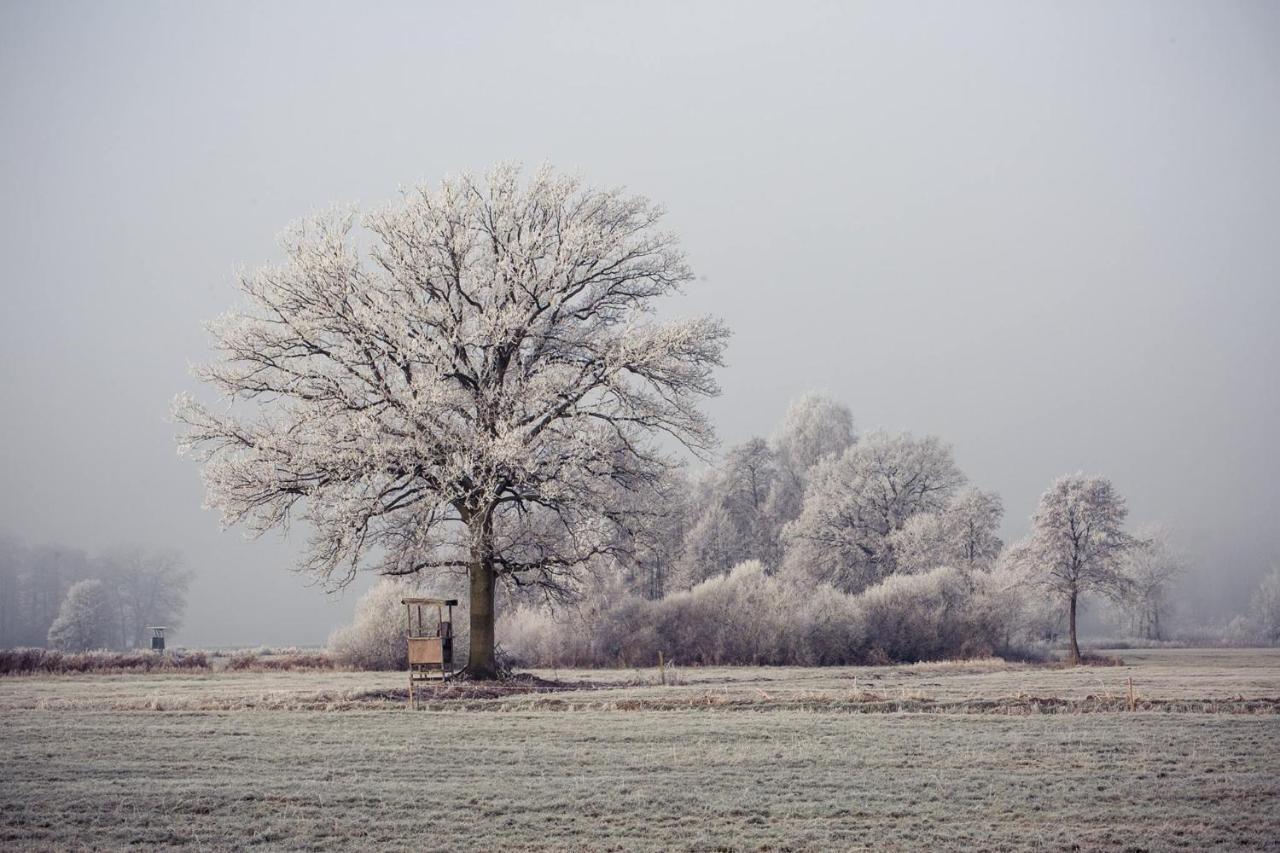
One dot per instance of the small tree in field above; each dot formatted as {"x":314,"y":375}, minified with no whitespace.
{"x":479,"y":395}
{"x":84,"y":620}
{"x":1078,"y":543}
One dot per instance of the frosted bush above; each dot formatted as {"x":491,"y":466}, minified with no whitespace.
{"x":375,"y":640}
{"x":752,"y":617}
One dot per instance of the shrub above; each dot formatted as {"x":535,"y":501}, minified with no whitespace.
{"x":751,"y":617}
{"x":33,"y":661}
{"x":375,"y":640}
{"x":252,"y":661}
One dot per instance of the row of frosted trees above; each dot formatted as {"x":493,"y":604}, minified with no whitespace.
{"x":819,"y":505}
{"x":62,"y":597}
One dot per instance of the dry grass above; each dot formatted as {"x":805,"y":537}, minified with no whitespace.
{"x":942,"y":755}
{"x":288,"y":661}
{"x":39,"y":661}
{"x":1214,"y":681}
{"x":643,"y":781}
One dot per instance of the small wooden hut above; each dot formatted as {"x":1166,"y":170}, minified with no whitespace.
{"x":430,"y":639}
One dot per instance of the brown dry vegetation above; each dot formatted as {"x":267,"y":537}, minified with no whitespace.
{"x":40,"y":661}
{"x":1008,"y":756}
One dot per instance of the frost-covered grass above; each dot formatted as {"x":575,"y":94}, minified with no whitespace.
{"x":742,"y":758}
{"x":638,"y":781}
{"x":1210,"y":679}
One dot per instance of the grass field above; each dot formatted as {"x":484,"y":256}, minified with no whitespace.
{"x":976,"y":755}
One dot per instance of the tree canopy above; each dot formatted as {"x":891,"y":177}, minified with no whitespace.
{"x":479,"y":391}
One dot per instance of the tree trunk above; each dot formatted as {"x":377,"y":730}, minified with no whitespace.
{"x":1074,"y":651}
{"x":482,"y":663}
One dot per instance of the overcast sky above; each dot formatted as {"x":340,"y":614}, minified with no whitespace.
{"x":1047,"y":232}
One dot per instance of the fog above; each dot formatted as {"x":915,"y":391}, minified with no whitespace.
{"x":1044,"y":232}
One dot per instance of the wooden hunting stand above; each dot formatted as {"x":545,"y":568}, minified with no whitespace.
{"x":430,"y":646}
{"x":157,"y":637}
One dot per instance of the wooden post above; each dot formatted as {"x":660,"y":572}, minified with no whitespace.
{"x":1132,"y":702}
{"x":662,"y":669}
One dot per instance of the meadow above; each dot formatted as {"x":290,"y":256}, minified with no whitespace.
{"x":981,"y":754}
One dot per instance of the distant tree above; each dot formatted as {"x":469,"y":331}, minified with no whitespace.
{"x":50,"y":572}
{"x":1150,"y":568}
{"x":962,"y":536}
{"x":1078,"y":544}
{"x":13,"y":564}
{"x":748,"y":478}
{"x":1264,"y":609}
{"x":649,"y":538}
{"x":750,"y":471}
{"x":712,"y":546}
{"x":468,"y":402}
{"x":84,"y":620}
{"x":147,"y":588}
{"x":856,"y":501}
{"x":815,"y":427}
{"x":970,"y":522}
{"x":921,"y":545}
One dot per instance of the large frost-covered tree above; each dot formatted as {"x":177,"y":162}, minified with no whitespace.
{"x":1077,"y":543}
{"x":471,"y":396}
{"x":854,"y":502}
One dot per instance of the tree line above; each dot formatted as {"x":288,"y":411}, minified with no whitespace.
{"x":63,"y":597}
{"x":471,"y":386}
{"x":818,"y":506}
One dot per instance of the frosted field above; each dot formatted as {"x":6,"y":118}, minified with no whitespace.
{"x":972,"y":755}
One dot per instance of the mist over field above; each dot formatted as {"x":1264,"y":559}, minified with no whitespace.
{"x":616,"y":426}
{"x":1043,"y":233}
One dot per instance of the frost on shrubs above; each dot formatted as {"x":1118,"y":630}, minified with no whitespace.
{"x":375,"y":640}
{"x":918,"y":617}
{"x":751,"y":617}
{"x":581,"y":633}
{"x":740,"y":617}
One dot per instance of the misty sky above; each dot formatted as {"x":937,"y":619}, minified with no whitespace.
{"x":1047,"y":232}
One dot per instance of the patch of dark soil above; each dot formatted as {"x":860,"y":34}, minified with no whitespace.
{"x":1087,"y":659}
{"x":461,"y":688}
